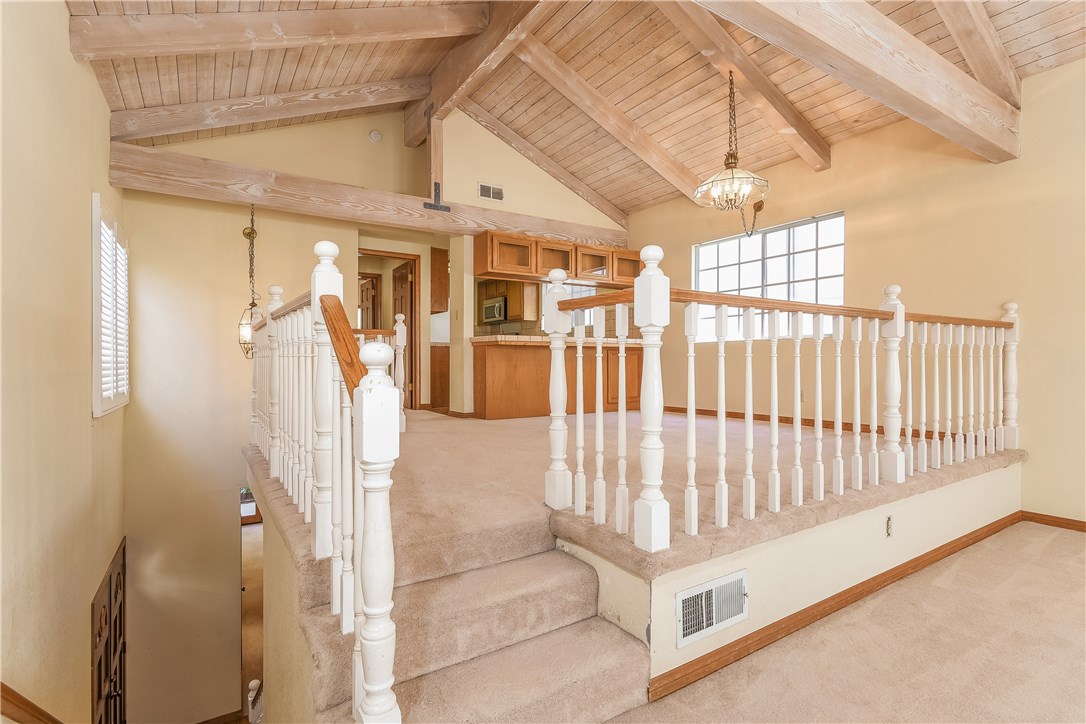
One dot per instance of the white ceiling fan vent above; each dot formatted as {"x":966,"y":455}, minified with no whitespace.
{"x":489,"y":191}
{"x":710,"y":607}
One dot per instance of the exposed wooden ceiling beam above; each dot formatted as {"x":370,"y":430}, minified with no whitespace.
{"x":701,"y":28}
{"x":178,"y":174}
{"x":545,"y":162}
{"x":860,"y":46}
{"x":565,"y":80}
{"x":470,"y":63}
{"x":161,"y":120}
{"x":972,"y":30}
{"x":99,"y":37}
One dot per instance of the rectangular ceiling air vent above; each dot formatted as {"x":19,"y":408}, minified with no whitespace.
{"x":710,"y":607}
{"x":489,"y":191}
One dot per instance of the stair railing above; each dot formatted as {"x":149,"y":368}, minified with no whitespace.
{"x":327,"y":414}
{"x":714,"y":317}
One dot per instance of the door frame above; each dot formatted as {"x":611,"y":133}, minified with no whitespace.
{"x":376,"y":279}
{"x":413,"y":332}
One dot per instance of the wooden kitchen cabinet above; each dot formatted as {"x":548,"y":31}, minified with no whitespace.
{"x":594,"y":263}
{"x":439,"y":280}
{"x":521,"y":299}
{"x":626,"y":266}
{"x":556,"y":255}
{"x":500,"y":253}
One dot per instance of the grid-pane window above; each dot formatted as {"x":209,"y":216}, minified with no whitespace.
{"x":110,"y":311}
{"x":803,"y":261}
{"x":576,"y":291}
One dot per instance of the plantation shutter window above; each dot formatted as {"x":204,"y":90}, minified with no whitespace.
{"x":110,"y":311}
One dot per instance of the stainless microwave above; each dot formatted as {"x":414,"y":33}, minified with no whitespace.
{"x":494,"y":310}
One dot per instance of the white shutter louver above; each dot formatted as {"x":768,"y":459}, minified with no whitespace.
{"x":110,"y":291}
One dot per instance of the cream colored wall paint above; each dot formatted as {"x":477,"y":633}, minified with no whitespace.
{"x":791,"y":573}
{"x":461,"y":324}
{"x":961,"y":236}
{"x":473,"y":155}
{"x":62,"y":480}
{"x":188,"y":417}
{"x":623,"y":597}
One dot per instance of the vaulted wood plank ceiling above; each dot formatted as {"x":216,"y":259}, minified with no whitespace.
{"x":631,"y":64}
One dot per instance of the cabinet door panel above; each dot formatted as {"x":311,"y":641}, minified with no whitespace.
{"x":633,"y":378}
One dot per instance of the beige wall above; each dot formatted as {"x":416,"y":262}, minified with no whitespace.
{"x":961,"y":236}
{"x":62,"y":510}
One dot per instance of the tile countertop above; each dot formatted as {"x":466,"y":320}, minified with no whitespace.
{"x":539,"y":341}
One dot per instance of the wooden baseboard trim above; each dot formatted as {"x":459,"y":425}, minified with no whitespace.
{"x":232,"y":718}
{"x":18,"y":708}
{"x":462,"y":415}
{"x":671,"y":681}
{"x":1054,"y":520}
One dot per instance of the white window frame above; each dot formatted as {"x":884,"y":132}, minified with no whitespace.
{"x":114,"y":394}
{"x":706,"y":312}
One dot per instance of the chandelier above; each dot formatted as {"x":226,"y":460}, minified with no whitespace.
{"x":731,"y":188}
{"x":251,"y":313}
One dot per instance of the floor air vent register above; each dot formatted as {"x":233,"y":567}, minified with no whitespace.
{"x":710,"y":607}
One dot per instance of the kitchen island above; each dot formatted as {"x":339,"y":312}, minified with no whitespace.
{"x":512,"y":376}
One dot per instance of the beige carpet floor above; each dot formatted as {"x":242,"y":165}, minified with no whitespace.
{"x":995,"y":633}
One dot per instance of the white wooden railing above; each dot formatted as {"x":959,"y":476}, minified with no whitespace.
{"x":327,"y":414}
{"x":986,"y":397}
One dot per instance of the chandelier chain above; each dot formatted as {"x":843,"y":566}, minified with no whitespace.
{"x":250,"y":234}
{"x":733,"y":135}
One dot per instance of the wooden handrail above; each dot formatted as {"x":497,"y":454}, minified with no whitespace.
{"x":623,"y":296}
{"x":967,"y":321}
{"x":374,"y":332}
{"x":761,"y":303}
{"x":17,"y":707}
{"x":293,"y":305}
{"x":260,"y":324}
{"x":343,"y":342}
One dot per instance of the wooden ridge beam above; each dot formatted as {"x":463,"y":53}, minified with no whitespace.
{"x":976,"y":37}
{"x":161,"y":120}
{"x":469,"y":64}
{"x":101,"y":37}
{"x":177,"y":174}
{"x":701,"y":28}
{"x":858,"y":45}
{"x":545,"y":162}
{"x":595,"y":105}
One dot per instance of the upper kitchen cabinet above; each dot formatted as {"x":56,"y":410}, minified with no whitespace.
{"x":555,"y":255}
{"x":594,"y":263}
{"x":499,"y":253}
{"x":626,"y":266}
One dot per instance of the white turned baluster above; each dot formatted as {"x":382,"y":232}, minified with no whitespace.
{"x":721,"y":492}
{"x":982,"y":439}
{"x":989,"y":434}
{"x":652,"y":312}
{"x":774,"y":479}
{"x":910,"y":332}
{"x":347,"y":465}
{"x":377,"y":446}
{"x":622,"y":492}
{"x":558,"y":482}
{"x":818,"y":470}
{"x":286,"y":414}
{"x":936,"y":331}
{"x":255,"y":433}
{"x":873,"y":409}
{"x":400,"y":378}
{"x":298,"y":405}
{"x":971,"y":435}
{"x":1010,"y":377}
{"x":948,"y":438}
{"x":891,"y":457}
{"x":797,"y":412}
{"x":959,"y":439}
{"x":838,"y":424}
{"x":309,"y":381}
{"x":275,"y":389}
{"x":1000,"y":445}
{"x":579,"y":492}
{"x":922,"y":444}
{"x":690,"y":320}
{"x":748,"y":415}
{"x":326,"y":281}
{"x":599,"y":484}
{"x":857,"y":455}
{"x":337,"y":494}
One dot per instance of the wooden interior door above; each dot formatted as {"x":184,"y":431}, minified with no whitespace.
{"x":108,"y":645}
{"x":369,"y":300}
{"x":403,"y":298}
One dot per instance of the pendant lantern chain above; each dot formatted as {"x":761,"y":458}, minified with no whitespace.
{"x":733,"y":134}
{"x":250,"y":233}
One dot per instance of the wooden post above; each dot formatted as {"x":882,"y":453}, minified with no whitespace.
{"x":892,"y":457}
{"x":749,"y":487}
{"x":558,"y":485}
{"x":797,"y":411}
{"x":326,"y":279}
{"x":599,"y":484}
{"x":275,"y":344}
{"x":377,"y":447}
{"x":622,"y":491}
{"x":652,"y":313}
{"x":721,"y":492}
{"x":1010,"y":378}
{"x":401,"y":378}
{"x":690,"y":323}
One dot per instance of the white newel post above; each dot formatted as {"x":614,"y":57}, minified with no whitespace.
{"x":1010,"y":378}
{"x":275,"y":462}
{"x":892,"y":456}
{"x":401,"y":378}
{"x":558,"y":483}
{"x":337,"y":493}
{"x":652,"y":312}
{"x":377,"y":446}
{"x":326,"y":280}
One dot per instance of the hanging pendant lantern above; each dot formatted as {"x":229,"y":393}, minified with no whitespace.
{"x":251,"y":313}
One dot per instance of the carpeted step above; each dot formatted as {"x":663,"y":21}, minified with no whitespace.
{"x":445,"y":621}
{"x":587,"y":672}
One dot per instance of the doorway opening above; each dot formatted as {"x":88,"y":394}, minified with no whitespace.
{"x":388,"y":284}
